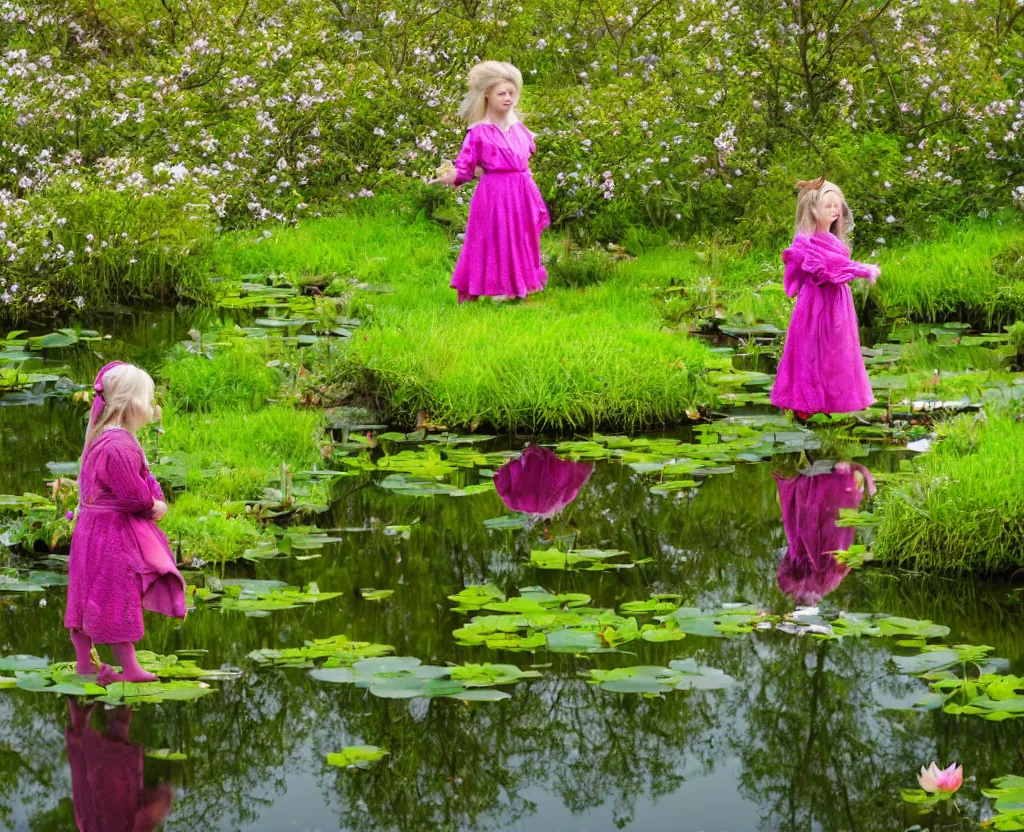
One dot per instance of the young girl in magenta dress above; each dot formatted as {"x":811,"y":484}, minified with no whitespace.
{"x":822,"y":370}
{"x":501,"y":253}
{"x":120,"y":560}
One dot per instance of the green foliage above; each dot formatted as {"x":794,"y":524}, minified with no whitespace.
{"x":578,"y":269}
{"x":692,"y":124}
{"x":233,"y":379}
{"x":961,"y":508}
{"x":961,"y":276}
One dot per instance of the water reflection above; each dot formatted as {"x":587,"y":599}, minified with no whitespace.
{"x":107,"y":788}
{"x":810,"y":507}
{"x":539,"y":483}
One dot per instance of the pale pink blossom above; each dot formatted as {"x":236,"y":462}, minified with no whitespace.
{"x":948,"y":780}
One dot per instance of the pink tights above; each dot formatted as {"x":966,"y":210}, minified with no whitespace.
{"x":124,"y":655}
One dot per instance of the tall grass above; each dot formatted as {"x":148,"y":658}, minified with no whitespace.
{"x":236,"y":378}
{"x":563,"y":359}
{"x":958,"y":277}
{"x":962,"y":508}
{"x":232,"y":455}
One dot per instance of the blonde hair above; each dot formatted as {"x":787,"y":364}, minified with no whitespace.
{"x":482,"y":78}
{"x":807,"y":204}
{"x":127,"y":393}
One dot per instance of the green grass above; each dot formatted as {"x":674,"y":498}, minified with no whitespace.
{"x":235,"y":378}
{"x":962,"y":507}
{"x":957,"y":277}
{"x":562,"y":360}
{"x":613,"y":353}
{"x":232,"y":455}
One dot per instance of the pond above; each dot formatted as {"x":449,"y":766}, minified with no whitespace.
{"x":746,"y":717}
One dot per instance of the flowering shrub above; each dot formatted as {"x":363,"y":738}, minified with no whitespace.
{"x":121,"y":120}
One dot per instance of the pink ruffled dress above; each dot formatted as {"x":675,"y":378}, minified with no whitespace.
{"x":822,"y":370}
{"x":501,"y":252}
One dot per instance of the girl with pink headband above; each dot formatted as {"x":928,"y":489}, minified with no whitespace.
{"x":120,"y":560}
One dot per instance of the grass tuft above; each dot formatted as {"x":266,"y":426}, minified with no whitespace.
{"x":962,"y":507}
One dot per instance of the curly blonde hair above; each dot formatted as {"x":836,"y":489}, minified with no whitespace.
{"x":482,"y":78}
{"x":807,"y":202}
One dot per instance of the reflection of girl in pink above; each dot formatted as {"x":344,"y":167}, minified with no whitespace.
{"x":106,"y":776}
{"x":810,"y":507}
{"x":120,"y":560}
{"x":539,"y":483}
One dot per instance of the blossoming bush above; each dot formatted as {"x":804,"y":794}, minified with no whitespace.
{"x":693,"y":117}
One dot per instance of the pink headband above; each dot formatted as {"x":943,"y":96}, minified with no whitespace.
{"x":98,"y":403}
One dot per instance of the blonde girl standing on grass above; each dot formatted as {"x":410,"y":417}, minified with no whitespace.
{"x":501,"y":254}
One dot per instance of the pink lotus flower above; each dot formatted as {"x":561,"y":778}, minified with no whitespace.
{"x":948,"y":780}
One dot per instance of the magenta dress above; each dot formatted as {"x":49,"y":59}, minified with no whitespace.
{"x":822,"y":370}
{"x":501,"y":253}
{"x":120,"y":559}
{"x":540,"y":483}
{"x":810,"y":507}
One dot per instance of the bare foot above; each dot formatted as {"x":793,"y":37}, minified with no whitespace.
{"x":108,"y":676}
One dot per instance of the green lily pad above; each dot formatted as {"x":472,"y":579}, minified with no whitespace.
{"x":376,"y":594}
{"x":356,"y":756}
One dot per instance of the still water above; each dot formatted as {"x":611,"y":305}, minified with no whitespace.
{"x":810,"y":737}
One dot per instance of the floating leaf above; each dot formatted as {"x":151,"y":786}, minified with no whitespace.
{"x":517,"y":521}
{"x":376,"y":594}
{"x":356,"y":756}
{"x":165,"y":754}
{"x":573,"y":641}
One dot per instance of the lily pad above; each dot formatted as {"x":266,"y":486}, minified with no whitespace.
{"x":376,"y":594}
{"x":356,"y":756}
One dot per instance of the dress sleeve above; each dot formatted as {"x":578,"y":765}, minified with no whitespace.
{"x":831,"y":267}
{"x":865,"y":270}
{"x":792,"y":277}
{"x":126,"y":476}
{"x":468,"y":159}
{"x":154,"y":487}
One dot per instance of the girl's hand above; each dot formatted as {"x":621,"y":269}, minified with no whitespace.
{"x":876,"y":272}
{"x":159,"y":510}
{"x":446,"y":174}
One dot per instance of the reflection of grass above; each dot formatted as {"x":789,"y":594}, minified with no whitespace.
{"x":963,"y":506}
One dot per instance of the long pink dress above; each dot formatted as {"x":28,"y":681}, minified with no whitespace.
{"x":501,"y":252}
{"x":822,"y":370}
{"x":810,"y":507}
{"x":540,"y":483}
{"x":120,"y":559}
